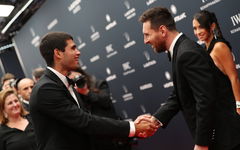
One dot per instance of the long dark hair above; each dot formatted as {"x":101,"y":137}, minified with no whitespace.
{"x":206,"y":19}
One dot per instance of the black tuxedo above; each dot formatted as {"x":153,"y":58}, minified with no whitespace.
{"x":194,"y":90}
{"x":58,"y":122}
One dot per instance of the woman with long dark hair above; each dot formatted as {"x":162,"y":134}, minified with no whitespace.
{"x":207,"y":29}
{"x":227,"y":119}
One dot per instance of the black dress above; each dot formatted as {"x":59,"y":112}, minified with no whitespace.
{"x":15,"y":139}
{"x":228,"y":121}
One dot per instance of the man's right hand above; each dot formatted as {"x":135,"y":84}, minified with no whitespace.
{"x":198,"y":147}
{"x":146,"y":125}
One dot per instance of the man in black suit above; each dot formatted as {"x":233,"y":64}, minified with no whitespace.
{"x":193,"y":76}
{"x":58,"y":116}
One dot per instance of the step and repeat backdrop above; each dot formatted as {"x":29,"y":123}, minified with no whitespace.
{"x":110,"y":39}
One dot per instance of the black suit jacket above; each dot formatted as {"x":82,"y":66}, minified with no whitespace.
{"x":194,"y":90}
{"x":58,"y":122}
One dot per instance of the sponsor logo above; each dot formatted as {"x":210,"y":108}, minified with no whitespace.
{"x":149,"y":61}
{"x":127,"y":68}
{"x":168,"y":77}
{"x":146,"y":86}
{"x":149,"y":2}
{"x":235,"y":21}
{"x":110,"y":51}
{"x":142,"y":107}
{"x":84,"y":67}
{"x":110,"y":24}
{"x":95,"y":35}
{"x":94,"y":58}
{"x":35,"y":41}
{"x":177,"y":18}
{"x":209,"y":4}
{"x":131,"y":12}
{"x":125,"y":115}
{"x":113,"y":99}
{"x":110,"y":75}
{"x":129,"y":42}
{"x":81,"y":44}
{"x":127,"y":95}
{"x":36,"y":38}
{"x":52,"y":24}
{"x":74,"y":7}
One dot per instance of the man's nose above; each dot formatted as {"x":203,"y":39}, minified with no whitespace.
{"x":78,"y":52}
{"x":146,"y":41}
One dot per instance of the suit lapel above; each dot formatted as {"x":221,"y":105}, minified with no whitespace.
{"x":58,"y":81}
{"x":174,"y":59}
{"x":80,"y":101}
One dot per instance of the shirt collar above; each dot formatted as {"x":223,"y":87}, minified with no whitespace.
{"x":23,"y":100}
{"x":173,"y":44}
{"x":61,"y":76}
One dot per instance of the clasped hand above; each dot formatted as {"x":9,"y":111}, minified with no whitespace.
{"x":146,"y":125}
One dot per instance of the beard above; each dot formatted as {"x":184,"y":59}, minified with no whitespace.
{"x":159,"y":47}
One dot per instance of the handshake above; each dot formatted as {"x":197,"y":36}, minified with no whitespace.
{"x":146,"y":125}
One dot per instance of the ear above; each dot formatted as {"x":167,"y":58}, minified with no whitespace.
{"x":163,"y":30}
{"x":57,"y":53}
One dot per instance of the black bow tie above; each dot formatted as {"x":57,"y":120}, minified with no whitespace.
{"x":70,"y":82}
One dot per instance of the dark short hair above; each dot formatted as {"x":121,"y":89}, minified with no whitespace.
{"x":206,"y":19}
{"x":51,"y":41}
{"x":158,"y":16}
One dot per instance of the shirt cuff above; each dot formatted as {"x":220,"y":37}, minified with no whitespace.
{"x":158,"y":121}
{"x":132,"y":129}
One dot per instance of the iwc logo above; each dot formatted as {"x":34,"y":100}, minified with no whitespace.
{"x":177,"y":18}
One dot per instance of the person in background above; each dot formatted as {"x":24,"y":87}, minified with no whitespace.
{"x":7,"y":80}
{"x":207,"y":29}
{"x":96,"y":96}
{"x":24,"y":90}
{"x":16,"y":130}
{"x":37,"y":73}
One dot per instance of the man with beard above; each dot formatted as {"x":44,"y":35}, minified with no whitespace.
{"x":193,"y":76}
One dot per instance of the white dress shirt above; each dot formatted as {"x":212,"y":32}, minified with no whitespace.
{"x":70,"y":88}
{"x":65,"y":82}
{"x":173,"y":44}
